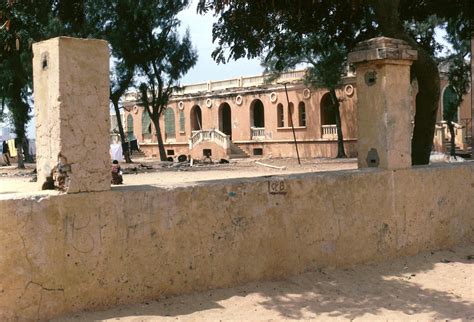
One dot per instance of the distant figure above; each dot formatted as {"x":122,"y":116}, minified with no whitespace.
{"x":6,"y":153}
{"x":116,"y":173}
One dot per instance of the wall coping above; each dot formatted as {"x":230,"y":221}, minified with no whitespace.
{"x":47,"y":194}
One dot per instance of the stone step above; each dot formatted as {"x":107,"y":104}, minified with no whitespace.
{"x":236,"y":152}
{"x":138,"y":154}
{"x":238,"y":156}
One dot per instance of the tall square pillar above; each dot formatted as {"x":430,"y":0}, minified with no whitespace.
{"x":71,"y":94}
{"x":384,"y":102}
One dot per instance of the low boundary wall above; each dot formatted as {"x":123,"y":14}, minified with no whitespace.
{"x":67,"y":253}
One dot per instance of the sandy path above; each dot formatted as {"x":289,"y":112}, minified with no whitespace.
{"x":15,"y":183}
{"x":438,"y":285}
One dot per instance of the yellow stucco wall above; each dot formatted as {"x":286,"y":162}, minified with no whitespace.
{"x":66,"y":253}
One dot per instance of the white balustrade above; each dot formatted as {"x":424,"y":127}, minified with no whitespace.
{"x":257,"y":133}
{"x":223,"y":84}
{"x":253,"y":81}
{"x":329,"y":131}
{"x":213,"y":135}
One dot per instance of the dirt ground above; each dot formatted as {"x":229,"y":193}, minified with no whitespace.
{"x":430,"y":286}
{"x":426,"y":287}
{"x":148,"y":171}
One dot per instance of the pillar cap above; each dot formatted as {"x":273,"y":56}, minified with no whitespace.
{"x":381,"y":48}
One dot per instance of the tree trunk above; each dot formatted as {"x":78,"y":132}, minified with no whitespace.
{"x":161,"y":146}
{"x":19,"y":151}
{"x":19,"y":112}
{"x":340,"y":138}
{"x":26,"y":151}
{"x":126,"y":152}
{"x":452,"y":151}
{"x":425,"y":71}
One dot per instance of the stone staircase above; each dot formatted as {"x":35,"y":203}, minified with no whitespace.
{"x":138,"y":154}
{"x":466,"y":154}
{"x":236,"y":152}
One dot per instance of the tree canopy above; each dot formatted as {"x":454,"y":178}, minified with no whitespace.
{"x":142,"y":34}
{"x":160,"y":54}
{"x":279,"y":29}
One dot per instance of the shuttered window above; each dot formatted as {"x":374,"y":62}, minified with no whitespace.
{"x":169,"y":123}
{"x":146,"y":123}
{"x":130,"y":127}
{"x":181,"y":121}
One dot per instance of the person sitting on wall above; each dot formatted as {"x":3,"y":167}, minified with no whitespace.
{"x":116,"y":173}
{"x":5,"y":153}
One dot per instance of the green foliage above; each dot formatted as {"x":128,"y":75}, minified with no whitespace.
{"x":286,"y":32}
{"x":450,"y":104}
{"x":22,"y":23}
{"x":144,"y":36}
{"x":459,"y":75}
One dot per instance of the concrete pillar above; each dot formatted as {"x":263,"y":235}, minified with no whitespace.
{"x":71,"y":94}
{"x":384,"y":102}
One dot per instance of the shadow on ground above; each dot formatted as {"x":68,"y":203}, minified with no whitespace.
{"x":427,"y":285}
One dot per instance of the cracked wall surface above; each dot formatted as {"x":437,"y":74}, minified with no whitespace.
{"x":384,"y":113}
{"x":66,"y":253}
{"x":71,"y":91}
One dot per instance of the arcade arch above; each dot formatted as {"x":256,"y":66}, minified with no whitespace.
{"x":257,"y":114}
{"x":328,"y":115}
{"x":196,"y":118}
{"x":225,"y":119}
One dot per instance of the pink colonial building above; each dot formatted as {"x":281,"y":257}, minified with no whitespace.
{"x":247,"y":117}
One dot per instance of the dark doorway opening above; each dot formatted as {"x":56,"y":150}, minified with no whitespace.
{"x":328,"y":114}
{"x":225,"y":119}
{"x":258,"y":114}
{"x":196,"y":118}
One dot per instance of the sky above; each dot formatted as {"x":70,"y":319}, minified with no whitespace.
{"x":200,"y":28}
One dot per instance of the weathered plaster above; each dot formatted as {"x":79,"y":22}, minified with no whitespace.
{"x":66,"y":253}
{"x":384,"y":102}
{"x":71,"y":90}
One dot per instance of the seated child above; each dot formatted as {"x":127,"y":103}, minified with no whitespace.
{"x":116,"y":173}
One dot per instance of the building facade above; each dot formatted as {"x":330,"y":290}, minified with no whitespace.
{"x":247,"y":117}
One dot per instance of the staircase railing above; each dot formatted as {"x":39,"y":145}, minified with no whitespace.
{"x":459,"y":134}
{"x":213,"y":135}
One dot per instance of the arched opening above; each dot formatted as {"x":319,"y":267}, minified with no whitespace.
{"x":130,"y":127}
{"x":257,"y":114}
{"x":280,"y":117}
{"x":328,"y":115}
{"x":170,"y":131}
{"x":450,"y":110}
{"x":225,"y":119}
{"x":301,"y":114}
{"x":196,"y":118}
